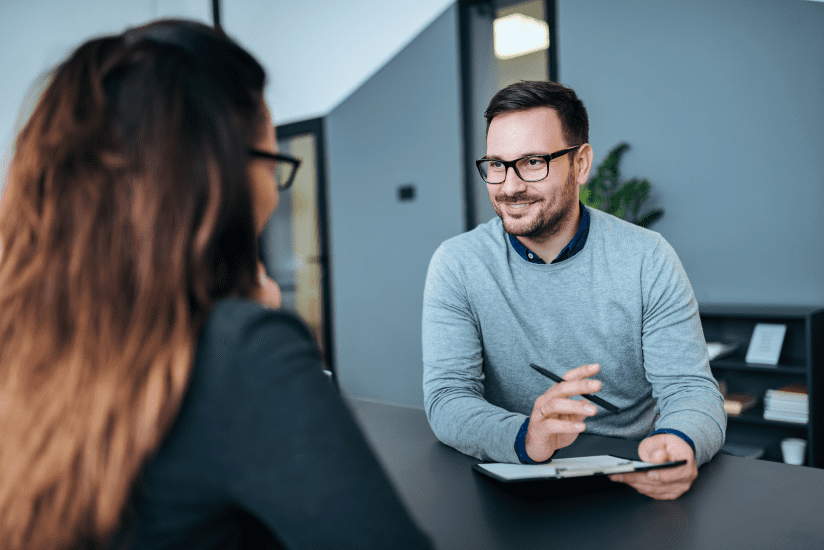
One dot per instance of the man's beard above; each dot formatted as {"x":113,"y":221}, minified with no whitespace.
{"x":546,"y":224}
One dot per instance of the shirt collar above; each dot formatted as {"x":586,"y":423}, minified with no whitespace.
{"x":571,"y":249}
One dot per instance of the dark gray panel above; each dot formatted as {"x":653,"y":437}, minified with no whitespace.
{"x":401,"y":129}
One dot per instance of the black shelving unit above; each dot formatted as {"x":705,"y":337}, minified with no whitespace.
{"x":801,"y":361}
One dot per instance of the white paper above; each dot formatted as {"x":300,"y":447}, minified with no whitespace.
{"x":564,"y":467}
{"x":765,"y":344}
{"x":520,"y":471}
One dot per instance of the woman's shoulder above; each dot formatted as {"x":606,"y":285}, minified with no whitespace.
{"x":241,"y":336}
{"x":234,"y":320}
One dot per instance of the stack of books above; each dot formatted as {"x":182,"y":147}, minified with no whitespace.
{"x":787,"y":404}
{"x":736,"y":403}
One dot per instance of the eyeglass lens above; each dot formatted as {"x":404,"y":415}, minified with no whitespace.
{"x":283,"y":172}
{"x":528,"y":169}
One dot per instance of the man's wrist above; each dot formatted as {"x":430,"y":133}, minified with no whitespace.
{"x":678,"y":433}
{"x":520,"y":445}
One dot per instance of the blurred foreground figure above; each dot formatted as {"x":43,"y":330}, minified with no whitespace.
{"x":151,"y":395}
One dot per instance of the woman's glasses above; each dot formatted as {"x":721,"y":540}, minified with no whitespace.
{"x":284,"y":168}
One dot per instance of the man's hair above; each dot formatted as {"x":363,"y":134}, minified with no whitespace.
{"x":526,"y":94}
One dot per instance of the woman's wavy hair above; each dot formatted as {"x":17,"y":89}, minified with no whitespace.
{"x":127,"y":215}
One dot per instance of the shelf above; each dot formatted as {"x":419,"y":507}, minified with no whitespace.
{"x":756,"y":416}
{"x":738,"y":364}
{"x":765,"y":313}
{"x":801,"y":361}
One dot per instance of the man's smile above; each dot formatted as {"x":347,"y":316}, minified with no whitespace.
{"x":518,"y":205}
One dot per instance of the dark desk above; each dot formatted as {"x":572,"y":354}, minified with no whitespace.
{"x":734,"y":503}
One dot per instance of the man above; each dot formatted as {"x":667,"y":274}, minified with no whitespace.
{"x":601,"y":302}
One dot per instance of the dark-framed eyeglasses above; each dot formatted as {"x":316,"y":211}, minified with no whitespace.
{"x":284,"y":169}
{"x":530,"y":168}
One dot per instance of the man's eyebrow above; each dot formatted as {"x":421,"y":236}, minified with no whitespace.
{"x":534,"y":154}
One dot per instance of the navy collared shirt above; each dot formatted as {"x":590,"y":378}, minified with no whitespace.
{"x":571,"y":249}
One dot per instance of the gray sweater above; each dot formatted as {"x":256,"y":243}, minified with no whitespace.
{"x":624,"y":301}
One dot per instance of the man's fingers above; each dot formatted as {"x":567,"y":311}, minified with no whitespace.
{"x":663,"y":484}
{"x":559,"y":426}
{"x":558,"y":423}
{"x":652,"y":450}
{"x":578,"y":408}
{"x":584,"y":371}
{"x":570,"y":388}
{"x":671,"y":475}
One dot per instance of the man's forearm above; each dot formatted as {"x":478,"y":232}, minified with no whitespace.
{"x":471,"y":425}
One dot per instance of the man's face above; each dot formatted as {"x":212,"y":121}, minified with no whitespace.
{"x":535,"y":210}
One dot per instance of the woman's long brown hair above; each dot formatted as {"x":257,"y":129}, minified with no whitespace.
{"x":126,"y":216}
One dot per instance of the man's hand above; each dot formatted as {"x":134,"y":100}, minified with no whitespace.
{"x":667,"y":483}
{"x":268,"y":293}
{"x":557,"y":420}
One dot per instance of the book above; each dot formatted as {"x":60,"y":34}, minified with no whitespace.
{"x":736,"y":403}
{"x":791,"y":398}
{"x":716,"y":350}
{"x":778,"y":399}
{"x":797,"y":391}
{"x":772,"y":402}
{"x":765,"y":343}
{"x":788,"y":403}
{"x":797,"y":418}
{"x":785,"y":409}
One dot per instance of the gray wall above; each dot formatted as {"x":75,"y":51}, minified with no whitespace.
{"x":401,"y":127}
{"x":722,"y":103}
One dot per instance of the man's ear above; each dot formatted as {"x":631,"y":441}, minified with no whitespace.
{"x":582,"y":163}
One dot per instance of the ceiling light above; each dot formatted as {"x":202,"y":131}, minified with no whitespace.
{"x":519,"y":34}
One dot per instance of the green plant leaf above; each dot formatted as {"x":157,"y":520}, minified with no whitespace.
{"x":605,"y":191}
{"x":647,"y":219}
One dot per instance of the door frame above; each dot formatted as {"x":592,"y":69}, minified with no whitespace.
{"x":469,"y":125}
{"x":315,"y":127}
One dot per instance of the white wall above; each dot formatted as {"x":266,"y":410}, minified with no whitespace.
{"x":35,"y":35}
{"x":316,"y":52}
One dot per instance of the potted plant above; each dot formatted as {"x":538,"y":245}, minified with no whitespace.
{"x":604,"y":191}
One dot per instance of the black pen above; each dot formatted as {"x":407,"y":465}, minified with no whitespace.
{"x":597,"y":400}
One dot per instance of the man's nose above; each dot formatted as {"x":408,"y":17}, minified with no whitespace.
{"x":512,"y":182}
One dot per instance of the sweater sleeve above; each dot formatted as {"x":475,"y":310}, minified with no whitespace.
{"x":294,"y":456}
{"x":675,"y":355}
{"x":453,"y":378}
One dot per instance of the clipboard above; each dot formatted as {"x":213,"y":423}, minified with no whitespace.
{"x":566,"y":468}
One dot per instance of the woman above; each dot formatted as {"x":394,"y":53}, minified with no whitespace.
{"x":147,"y":398}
